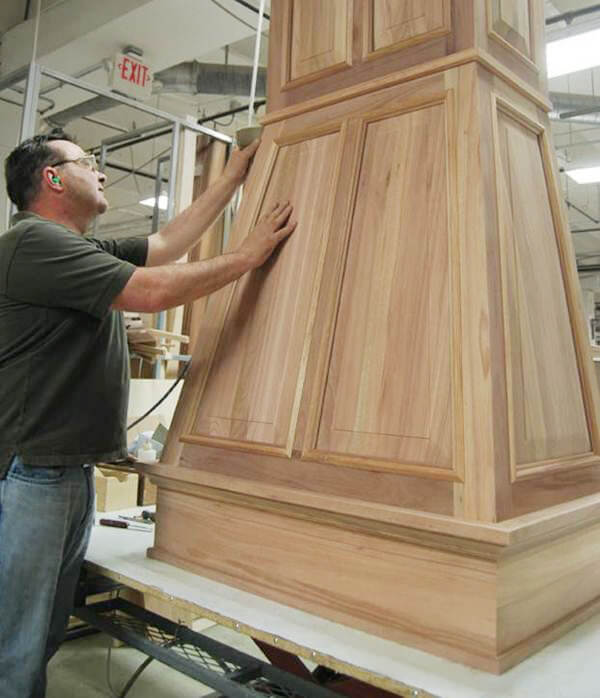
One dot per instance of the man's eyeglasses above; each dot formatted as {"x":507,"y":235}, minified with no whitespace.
{"x":88,"y":161}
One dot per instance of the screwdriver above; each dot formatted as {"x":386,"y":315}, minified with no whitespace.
{"x":124,"y":524}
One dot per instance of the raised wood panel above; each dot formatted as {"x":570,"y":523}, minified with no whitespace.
{"x":388,"y":396}
{"x":509,"y":22}
{"x":384,"y":586}
{"x":393,"y":24}
{"x":547,"y":420}
{"x":256,"y":376}
{"x":304,"y":477}
{"x":536,"y":587}
{"x":211,"y":155}
{"x":319,"y":37}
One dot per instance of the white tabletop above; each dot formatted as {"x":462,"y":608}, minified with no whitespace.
{"x":565,"y":669}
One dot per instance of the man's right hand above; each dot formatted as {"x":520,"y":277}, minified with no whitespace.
{"x":270,"y":230}
{"x":151,"y":289}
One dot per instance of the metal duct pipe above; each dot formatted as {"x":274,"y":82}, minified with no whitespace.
{"x":568,"y":17}
{"x":193,"y":77}
{"x":583,"y":109}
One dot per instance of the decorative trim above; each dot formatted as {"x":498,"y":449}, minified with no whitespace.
{"x":526,"y":471}
{"x":439,"y":65}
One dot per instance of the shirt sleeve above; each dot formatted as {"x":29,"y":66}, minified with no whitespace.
{"x":134,"y":250}
{"x":54,"y":267}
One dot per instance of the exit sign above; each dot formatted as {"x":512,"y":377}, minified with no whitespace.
{"x":131,"y":77}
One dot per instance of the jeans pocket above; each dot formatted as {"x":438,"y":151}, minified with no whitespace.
{"x":35,"y":473}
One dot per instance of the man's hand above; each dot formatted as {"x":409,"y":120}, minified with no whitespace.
{"x":239,"y":163}
{"x":270,"y":230}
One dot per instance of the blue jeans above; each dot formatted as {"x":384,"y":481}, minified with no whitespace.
{"x":46,"y":517}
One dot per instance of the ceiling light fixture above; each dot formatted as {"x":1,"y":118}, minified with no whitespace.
{"x":163,"y":202}
{"x":585,"y":175}
{"x":573,"y":53}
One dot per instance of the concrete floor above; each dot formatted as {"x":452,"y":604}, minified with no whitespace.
{"x":79,"y":670}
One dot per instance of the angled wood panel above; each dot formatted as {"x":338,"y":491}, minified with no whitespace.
{"x":388,"y":399}
{"x":547,"y":419}
{"x":254,"y":382}
{"x":393,"y":24}
{"x":509,"y":23}
{"x":317,"y":39}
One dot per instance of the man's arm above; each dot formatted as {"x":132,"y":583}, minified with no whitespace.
{"x":150,"y":290}
{"x":183,"y":232}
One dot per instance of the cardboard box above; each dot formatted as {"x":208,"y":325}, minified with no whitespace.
{"x":115,"y":489}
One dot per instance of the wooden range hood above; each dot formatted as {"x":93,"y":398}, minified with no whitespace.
{"x":394,"y":423}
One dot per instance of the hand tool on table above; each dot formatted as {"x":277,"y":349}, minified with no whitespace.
{"x":119,"y":523}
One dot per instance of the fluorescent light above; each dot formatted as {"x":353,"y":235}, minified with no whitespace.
{"x":163,"y":202}
{"x":573,"y":54}
{"x":585,"y":175}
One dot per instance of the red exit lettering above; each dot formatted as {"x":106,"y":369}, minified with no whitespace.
{"x":132,"y":71}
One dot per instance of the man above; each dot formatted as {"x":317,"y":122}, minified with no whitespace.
{"x":64,"y":369}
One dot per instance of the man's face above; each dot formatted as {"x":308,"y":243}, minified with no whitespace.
{"x":83,"y":185}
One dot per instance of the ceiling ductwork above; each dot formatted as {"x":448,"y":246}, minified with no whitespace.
{"x":193,"y":77}
{"x":189,"y":78}
{"x":577,"y":108}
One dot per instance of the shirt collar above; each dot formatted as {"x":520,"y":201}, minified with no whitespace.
{"x":23,"y":215}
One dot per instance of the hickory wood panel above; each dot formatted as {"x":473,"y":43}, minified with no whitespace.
{"x":211,"y":155}
{"x":444,"y":532}
{"x":388,"y":393}
{"x":573,"y":292}
{"x":548,"y":419}
{"x":390,"y":26}
{"x":439,"y":532}
{"x":358,"y":66}
{"x":317,"y":39}
{"x":541,"y":586}
{"x":471,"y":538}
{"x":466,"y":30}
{"x":553,"y":488}
{"x":509,"y":20}
{"x":480,"y":496}
{"x":302,"y":476}
{"x":356,"y":579}
{"x":523,"y":600}
{"x":256,"y":375}
{"x":216,"y":312}
{"x":513,"y":34}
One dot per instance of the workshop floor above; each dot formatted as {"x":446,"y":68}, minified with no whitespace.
{"x":79,"y":670}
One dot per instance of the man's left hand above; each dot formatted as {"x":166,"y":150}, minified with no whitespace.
{"x":239,"y":162}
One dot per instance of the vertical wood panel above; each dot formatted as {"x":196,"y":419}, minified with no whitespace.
{"x":392,"y":24}
{"x":389,"y":390}
{"x":257,"y":372}
{"x":212,"y":156}
{"x":547,"y":413}
{"x":318,"y":38}
{"x":509,"y":20}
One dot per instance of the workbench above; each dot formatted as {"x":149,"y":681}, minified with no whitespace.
{"x":566,"y":668}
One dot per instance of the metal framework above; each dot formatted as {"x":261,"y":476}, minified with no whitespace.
{"x":233,"y":674}
{"x":34,"y":73}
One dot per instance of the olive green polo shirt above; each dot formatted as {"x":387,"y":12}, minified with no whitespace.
{"x":64,"y":364}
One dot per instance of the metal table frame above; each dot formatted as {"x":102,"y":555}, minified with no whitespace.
{"x":230,"y":672}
